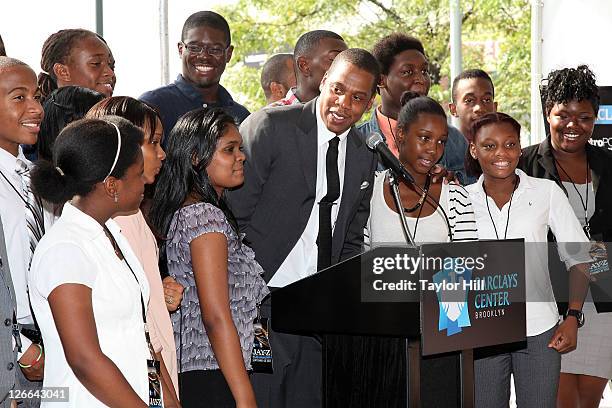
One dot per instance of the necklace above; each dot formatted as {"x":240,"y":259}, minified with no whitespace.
{"x":585,"y":205}
{"x":392,"y":133}
{"x":422,"y":198}
{"x":509,"y":206}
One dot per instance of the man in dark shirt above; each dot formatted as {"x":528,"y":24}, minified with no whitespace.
{"x":205,"y":48}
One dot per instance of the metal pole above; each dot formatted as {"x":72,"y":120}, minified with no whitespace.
{"x":455,"y":42}
{"x":100,"y":17}
{"x":537,"y":120}
{"x":163,"y":42}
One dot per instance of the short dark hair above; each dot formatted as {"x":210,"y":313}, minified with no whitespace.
{"x":570,"y":84}
{"x":307,"y":42}
{"x":470,"y":74}
{"x":412,"y":106}
{"x":83,"y":155}
{"x":8,"y":62}
{"x":471,"y":164}
{"x":388,"y":47}
{"x":138,"y":112}
{"x":275,"y":70}
{"x":63,"y":106}
{"x":207,"y":19}
{"x":2,"y":49}
{"x":362,"y":59}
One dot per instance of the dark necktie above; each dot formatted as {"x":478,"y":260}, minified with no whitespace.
{"x":324,"y":239}
{"x":33,"y":211}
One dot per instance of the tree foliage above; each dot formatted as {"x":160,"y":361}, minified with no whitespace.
{"x":495,"y":35}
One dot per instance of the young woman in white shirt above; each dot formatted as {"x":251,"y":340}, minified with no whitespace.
{"x":421,"y":135}
{"x":509,"y":204}
{"x":87,"y":288}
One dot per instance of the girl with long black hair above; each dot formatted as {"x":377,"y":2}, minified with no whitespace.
{"x":205,"y":253}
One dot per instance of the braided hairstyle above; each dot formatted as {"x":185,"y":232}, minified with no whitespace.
{"x":56,"y":49}
{"x":570,"y":84}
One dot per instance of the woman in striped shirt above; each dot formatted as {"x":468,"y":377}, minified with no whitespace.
{"x":443,"y":214}
{"x":421,"y":134}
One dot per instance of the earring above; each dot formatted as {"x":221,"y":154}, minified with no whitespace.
{"x":116,"y":197}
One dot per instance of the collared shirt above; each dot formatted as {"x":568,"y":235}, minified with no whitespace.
{"x":180,"y":97}
{"x":536,"y":206}
{"x":302,"y":260}
{"x":12,"y":212}
{"x":289,"y":99}
{"x":77,"y":251}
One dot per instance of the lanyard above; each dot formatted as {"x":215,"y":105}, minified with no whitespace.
{"x":585,"y":206}
{"x":142,"y":304}
{"x":25,"y":201}
{"x":509,"y":206}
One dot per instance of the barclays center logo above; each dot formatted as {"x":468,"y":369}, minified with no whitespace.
{"x":453,"y":283}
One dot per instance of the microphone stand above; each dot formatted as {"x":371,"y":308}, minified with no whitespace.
{"x":394,"y":183}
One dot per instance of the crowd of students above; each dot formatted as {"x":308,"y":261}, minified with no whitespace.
{"x":142,"y":237}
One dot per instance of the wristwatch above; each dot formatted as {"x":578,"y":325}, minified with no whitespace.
{"x":577,"y":314}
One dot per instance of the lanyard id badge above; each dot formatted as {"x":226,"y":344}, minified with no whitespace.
{"x":153,"y":366}
{"x":261,"y":355}
{"x":600,"y":266}
{"x":155,"y":391}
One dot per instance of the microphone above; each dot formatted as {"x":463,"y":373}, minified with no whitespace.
{"x":375,"y":142}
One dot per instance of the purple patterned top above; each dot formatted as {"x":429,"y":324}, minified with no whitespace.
{"x":246,"y":286}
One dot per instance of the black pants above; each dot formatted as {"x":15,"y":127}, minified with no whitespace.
{"x":205,"y":389}
{"x":296,"y":381}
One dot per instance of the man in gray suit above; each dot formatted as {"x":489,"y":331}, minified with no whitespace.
{"x":8,"y":308}
{"x":308,"y":172}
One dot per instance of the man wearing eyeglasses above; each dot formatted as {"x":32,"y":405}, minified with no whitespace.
{"x":205,"y":48}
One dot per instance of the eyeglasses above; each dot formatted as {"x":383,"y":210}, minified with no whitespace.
{"x":214,"y":51}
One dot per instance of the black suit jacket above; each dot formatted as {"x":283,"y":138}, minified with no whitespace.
{"x":538,"y":161}
{"x":275,"y":202}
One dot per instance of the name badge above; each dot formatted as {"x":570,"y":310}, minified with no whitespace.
{"x":261,"y":355}
{"x":155,"y":391}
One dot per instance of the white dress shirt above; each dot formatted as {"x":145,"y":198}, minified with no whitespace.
{"x":537,"y":205}
{"x":12,"y":212}
{"x":302,"y":260}
{"x":77,"y":251}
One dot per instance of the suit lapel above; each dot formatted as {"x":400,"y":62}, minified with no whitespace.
{"x":306,"y":139}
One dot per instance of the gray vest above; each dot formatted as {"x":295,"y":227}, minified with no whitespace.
{"x":8,"y":356}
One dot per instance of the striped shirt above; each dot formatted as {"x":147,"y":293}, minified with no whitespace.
{"x":384,"y":225}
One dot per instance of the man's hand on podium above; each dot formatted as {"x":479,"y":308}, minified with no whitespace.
{"x":565,"y":337}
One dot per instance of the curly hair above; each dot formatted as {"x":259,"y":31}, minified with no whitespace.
{"x":570,"y":84}
{"x":388,"y":47}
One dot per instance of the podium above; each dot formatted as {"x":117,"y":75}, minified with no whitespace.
{"x":347,"y":300}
